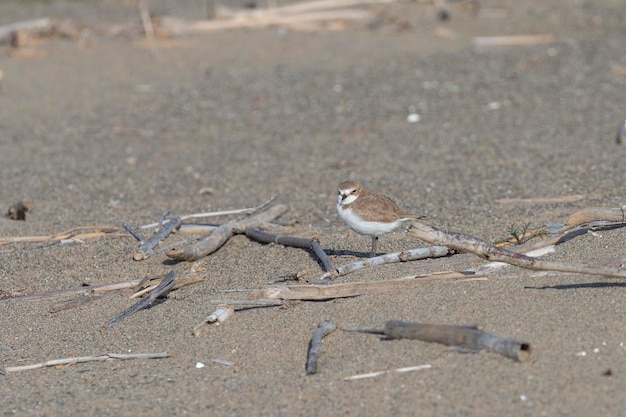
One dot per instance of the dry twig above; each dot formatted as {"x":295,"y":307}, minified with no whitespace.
{"x":80,"y":359}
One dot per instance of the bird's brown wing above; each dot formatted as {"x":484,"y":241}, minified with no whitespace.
{"x":382,"y":208}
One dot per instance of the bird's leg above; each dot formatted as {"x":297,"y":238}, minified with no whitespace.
{"x":374,"y":242}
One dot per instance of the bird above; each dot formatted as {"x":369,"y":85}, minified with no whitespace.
{"x":370,"y":213}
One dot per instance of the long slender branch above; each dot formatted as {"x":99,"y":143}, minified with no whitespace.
{"x":81,"y":359}
{"x":465,"y":242}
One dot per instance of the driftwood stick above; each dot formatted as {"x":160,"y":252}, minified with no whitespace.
{"x":163,"y":288}
{"x":465,"y":242}
{"x":324,"y":328}
{"x":80,"y":359}
{"x":220,"y":235}
{"x":378,"y":373}
{"x":296,"y":242}
{"x":389,"y":258}
{"x":146,"y":249}
{"x":464,"y":337}
{"x":261,"y":302}
{"x":351,"y":289}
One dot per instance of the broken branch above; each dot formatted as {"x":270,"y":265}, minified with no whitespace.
{"x":296,"y":242}
{"x":468,"y":338}
{"x":221,"y":234}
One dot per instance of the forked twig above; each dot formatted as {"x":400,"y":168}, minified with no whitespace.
{"x":221,"y":234}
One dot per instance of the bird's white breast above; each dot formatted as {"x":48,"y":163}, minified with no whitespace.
{"x":366,"y":227}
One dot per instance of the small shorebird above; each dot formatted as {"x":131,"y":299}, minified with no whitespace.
{"x":369,"y":213}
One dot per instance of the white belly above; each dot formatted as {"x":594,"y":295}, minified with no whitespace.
{"x":367,"y":228}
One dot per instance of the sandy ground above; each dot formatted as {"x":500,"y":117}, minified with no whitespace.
{"x":105,"y":130}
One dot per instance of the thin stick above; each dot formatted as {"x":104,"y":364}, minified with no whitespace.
{"x":75,"y":233}
{"x":352,"y":289}
{"x":465,"y":242}
{"x":484,"y":41}
{"x":81,"y":359}
{"x":324,"y":328}
{"x":203,"y":215}
{"x":77,"y":302}
{"x":163,"y":288}
{"x":544,"y":200}
{"x":296,"y":242}
{"x":378,"y":373}
{"x":220,"y":235}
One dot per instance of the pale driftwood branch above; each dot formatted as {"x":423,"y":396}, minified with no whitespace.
{"x":223,"y":313}
{"x":74,"y":233}
{"x":220,"y":235}
{"x":81,"y":359}
{"x":465,"y":242}
{"x":468,"y":338}
{"x":389,"y":258}
{"x":541,"y":200}
{"x":484,"y":41}
{"x":297,"y":242}
{"x":378,"y":373}
{"x":163,"y":288}
{"x":324,"y":328}
{"x":180,"y":27}
{"x":204,"y":215}
{"x":351,"y":289}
